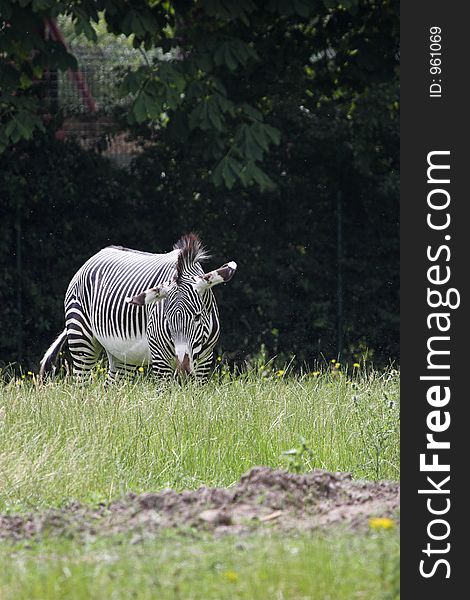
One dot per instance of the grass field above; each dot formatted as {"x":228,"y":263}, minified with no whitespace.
{"x":62,"y":442}
{"x":322,"y":567}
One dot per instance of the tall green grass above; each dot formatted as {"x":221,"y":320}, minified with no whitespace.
{"x":61,"y":441}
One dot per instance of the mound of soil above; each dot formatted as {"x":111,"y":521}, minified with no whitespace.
{"x":263,"y":497}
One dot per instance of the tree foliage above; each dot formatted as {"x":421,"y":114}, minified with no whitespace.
{"x":209,"y":45}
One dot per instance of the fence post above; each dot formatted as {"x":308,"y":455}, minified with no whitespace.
{"x":19,"y":284}
{"x":339,"y":274}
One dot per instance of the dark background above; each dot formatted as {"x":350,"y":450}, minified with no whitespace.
{"x":318,"y":254}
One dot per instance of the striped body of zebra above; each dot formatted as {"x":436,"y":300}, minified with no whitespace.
{"x":142,"y":308}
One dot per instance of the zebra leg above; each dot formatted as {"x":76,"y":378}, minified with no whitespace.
{"x":85,"y":352}
{"x":118,"y":369}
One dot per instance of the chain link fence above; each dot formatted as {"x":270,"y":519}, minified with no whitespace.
{"x":85,"y":103}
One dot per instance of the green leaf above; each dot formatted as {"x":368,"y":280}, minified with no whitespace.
{"x":24,"y":128}
{"x":258,"y":131}
{"x":215,"y":115}
{"x":25,"y":81}
{"x":128,"y":84}
{"x":84,"y":26}
{"x":265,"y":135}
{"x":153,"y":106}
{"x":42,"y":5}
{"x":226,"y":105}
{"x":126,"y":23}
{"x":194,"y":90}
{"x":229,"y":58}
{"x":251,"y":148}
{"x":273,"y":133}
{"x":252,"y":112}
{"x":199,"y":117}
{"x":133,"y":81}
{"x":218,"y":86}
{"x":254,"y":173}
{"x":10,"y":127}
{"x":139,"y":108}
{"x":138,"y":24}
{"x":228,"y":10}
{"x":227,"y":172}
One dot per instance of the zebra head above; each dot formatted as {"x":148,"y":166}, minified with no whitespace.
{"x":189,"y":320}
{"x":190,"y":310}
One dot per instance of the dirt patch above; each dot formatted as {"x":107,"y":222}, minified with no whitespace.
{"x":263,"y":498}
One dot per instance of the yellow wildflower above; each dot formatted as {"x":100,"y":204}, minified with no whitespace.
{"x":381,"y":523}
{"x":280,"y":373}
{"x":333,"y":360}
{"x":141,"y":369}
{"x":315,"y":373}
{"x":337,"y":365}
{"x":356,"y":365}
{"x":231,"y":576}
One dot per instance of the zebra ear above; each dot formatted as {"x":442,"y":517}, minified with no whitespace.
{"x":152,"y":294}
{"x":220,"y":275}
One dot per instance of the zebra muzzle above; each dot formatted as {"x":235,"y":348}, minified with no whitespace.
{"x":184,"y":366}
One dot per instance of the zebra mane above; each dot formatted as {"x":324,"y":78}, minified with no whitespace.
{"x":191,"y":251}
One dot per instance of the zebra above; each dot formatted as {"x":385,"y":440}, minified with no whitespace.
{"x":142,"y":309}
